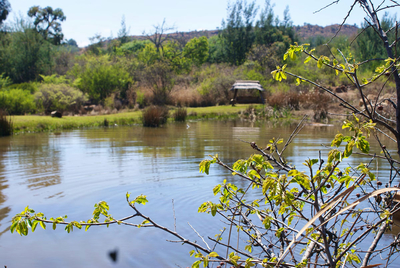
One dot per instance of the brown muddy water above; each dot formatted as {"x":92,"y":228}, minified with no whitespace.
{"x":67,"y":173}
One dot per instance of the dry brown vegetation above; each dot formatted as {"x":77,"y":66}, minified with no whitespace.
{"x":6,"y":125}
{"x":154,"y":116}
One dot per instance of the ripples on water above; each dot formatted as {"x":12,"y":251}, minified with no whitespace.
{"x":69,"y":172}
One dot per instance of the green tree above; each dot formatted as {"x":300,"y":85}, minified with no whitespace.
{"x":132,"y":47}
{"x":24,"y":53}
{"x":159,"y":69}
{"x":216,"y":49}
{"x":71,"y":42}
{"x":269,"y":29}
{"x":123,"y":33}
{"x":369,"y":43}
{"x":47,"y":22}
{"x":197,"y":50}
{"x":237,"y":31}
{"x":100,"y":76}
{"x":5,"y":9}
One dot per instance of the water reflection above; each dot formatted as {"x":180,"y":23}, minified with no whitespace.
{"x":4,"y":210}
{"x":38,"y":160}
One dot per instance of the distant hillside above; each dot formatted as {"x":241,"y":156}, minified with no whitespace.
{"x":303,"y":32}
{"x":183,"y":35}
{"x":306,"y":31}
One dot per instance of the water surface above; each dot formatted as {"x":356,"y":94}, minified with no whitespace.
{"x":67,"y":173}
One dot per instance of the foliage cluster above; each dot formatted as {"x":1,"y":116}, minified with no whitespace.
{"x":58,"y":97}
{"x":100,"y":76}
{"x":17,"y":101}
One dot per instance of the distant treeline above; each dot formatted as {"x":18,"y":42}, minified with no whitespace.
{"x":41,"y":71}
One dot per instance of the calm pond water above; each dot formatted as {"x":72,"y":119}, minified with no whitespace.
{"x":68,"y":173}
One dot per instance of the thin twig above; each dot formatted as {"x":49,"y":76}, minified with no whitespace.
{"x":202,"y":238}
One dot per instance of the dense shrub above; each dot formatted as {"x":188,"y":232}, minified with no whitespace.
{"x":6,"y":125}
{"x":54,"y":79}
{"x":29,"y":86}
{"x":24,"y":53}
{"x":17,"y":101}
{"x":5,"y":81}
{"x":180,"y":114}
{"x":100,"y":76}
{"x":155,"y":116}
{"x":215,"y":82}
{"x":60,"y":97}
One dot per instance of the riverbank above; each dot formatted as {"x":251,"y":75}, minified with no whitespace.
{"x":36,"y":123}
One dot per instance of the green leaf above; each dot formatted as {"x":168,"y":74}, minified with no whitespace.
{"x":320,"y":62}
{"x":216,"y":189}
{"x":337,"y":140}
{"x":213,"y":209}
{"x":13,"y":226}
{"x":141,"y":199}
{"x":213,"y":254}
{"x":42,"y":224}
{"x":192,"y":252}
{"x":205,"y":261}
{"x":204,"y":166}
{"x":349,"y":149}
{"x":363,"y":145}
{"x":371,"y":176}
{"x":196,"y":264}
{"x":34,"y":224}
{"x":249,"y":248}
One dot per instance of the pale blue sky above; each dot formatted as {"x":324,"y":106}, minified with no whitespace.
{"x":86,"y":18}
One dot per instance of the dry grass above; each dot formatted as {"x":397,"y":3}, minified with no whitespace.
{"x":281,"y":100}
{"x":180,"y":114}
{"x":185,"y":97}
{"x":155,"y":116}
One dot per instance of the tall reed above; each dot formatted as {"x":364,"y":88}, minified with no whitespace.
{"x":180,"y":114}
{"x":6,"y":125}
{"x":154,"y":116}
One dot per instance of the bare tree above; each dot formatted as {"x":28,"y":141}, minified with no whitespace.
{"x":159,"y":35}
{"x":371,"y":106}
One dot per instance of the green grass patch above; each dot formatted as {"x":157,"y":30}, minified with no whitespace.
{"x":34,"y":123}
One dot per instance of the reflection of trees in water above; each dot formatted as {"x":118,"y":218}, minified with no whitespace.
{"x":39,"y":160}
{"x":4,"y":211}
{"x":205,"y":138}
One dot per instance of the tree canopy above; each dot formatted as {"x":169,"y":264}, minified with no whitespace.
{"x":47,"y":22}
{"x":5,"y":9}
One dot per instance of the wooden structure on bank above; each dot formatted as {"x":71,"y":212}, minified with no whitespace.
{"x":246,"y":85}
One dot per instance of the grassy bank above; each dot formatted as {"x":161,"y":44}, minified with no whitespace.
{"x":33,"y":123}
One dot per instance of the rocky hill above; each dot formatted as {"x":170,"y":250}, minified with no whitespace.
{"x":304,"y":32}
{"x":307,"y":30}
